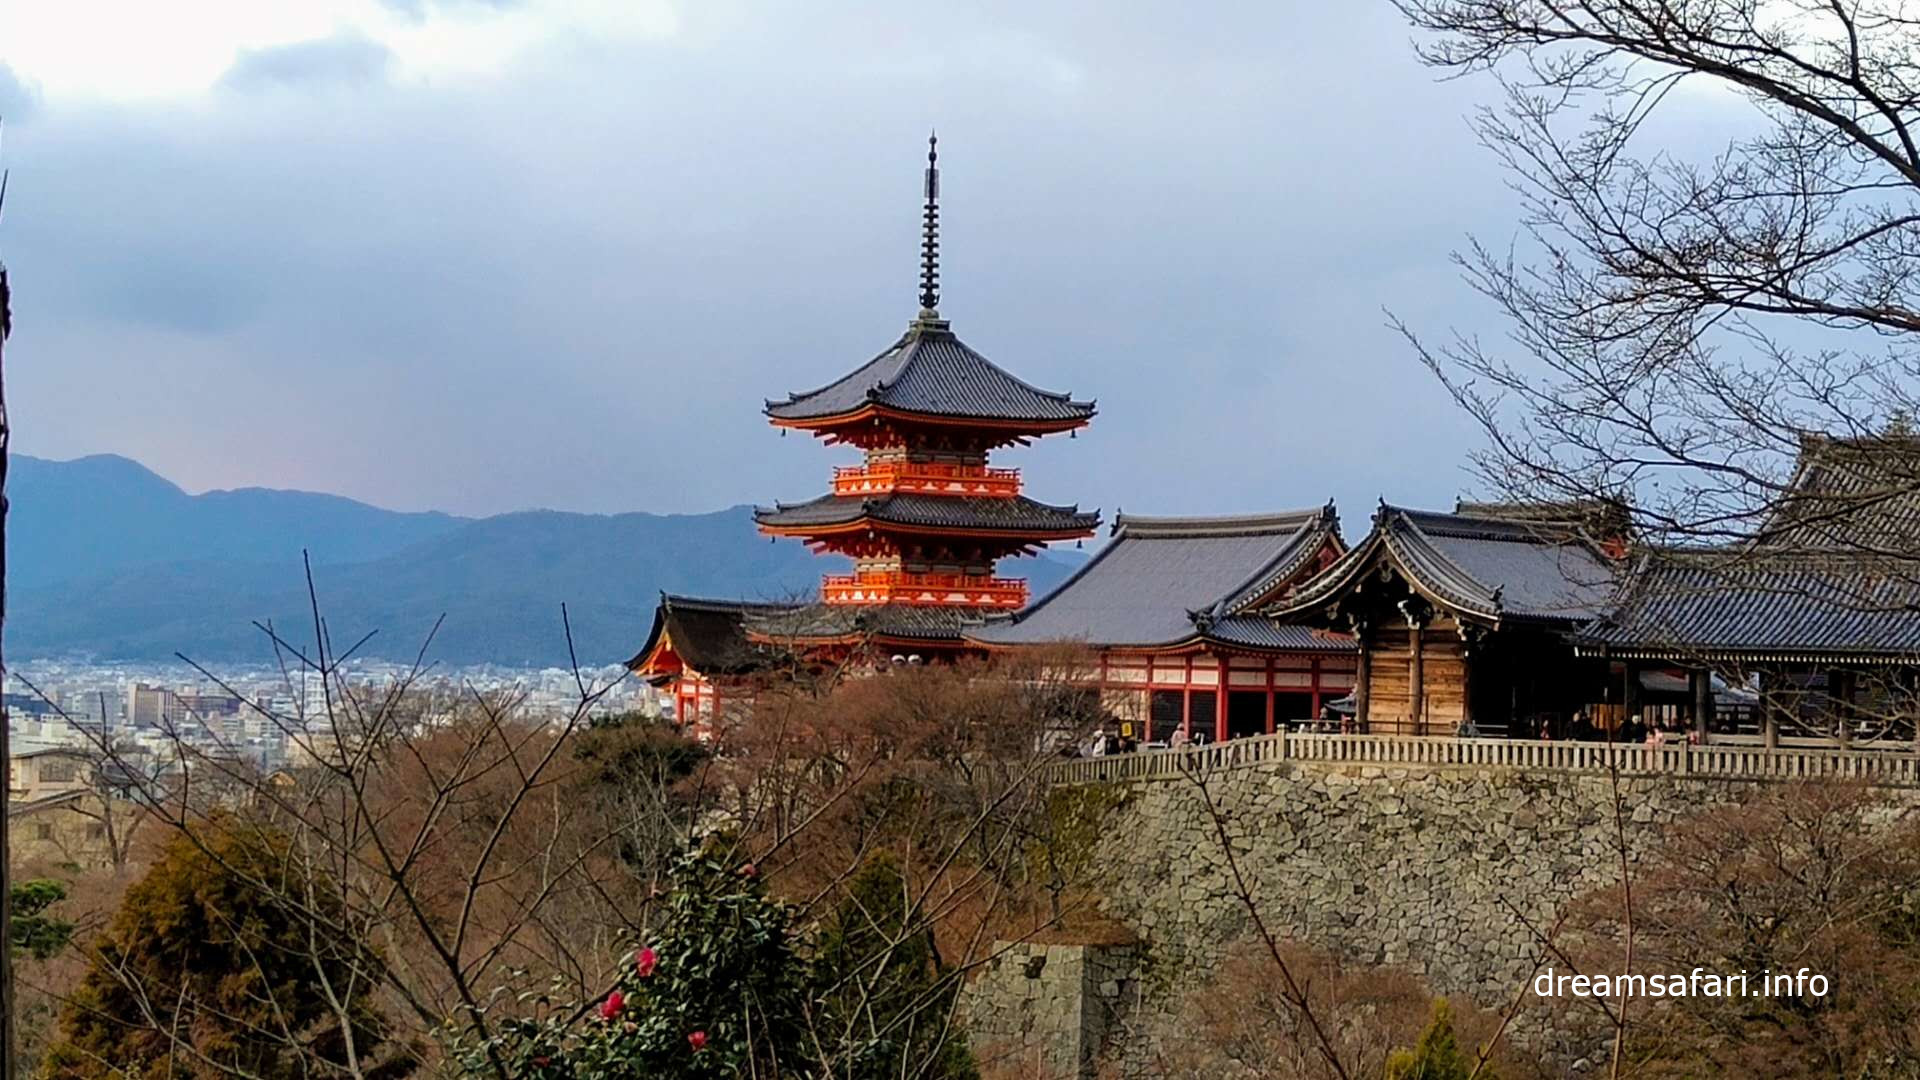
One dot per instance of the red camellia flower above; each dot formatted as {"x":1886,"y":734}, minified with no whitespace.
{"x":699,"y":1041}
{"x":645,"y":962}
{"x":543,"y":1062}
{"x":749,"y":870}
{"x":611,"y":1007}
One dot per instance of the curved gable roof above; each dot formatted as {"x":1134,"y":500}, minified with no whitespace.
{"x":709,"y":636}
{"x":1149,"y":583}
{"x":1484,"y":567}
{"x":932,"y":372}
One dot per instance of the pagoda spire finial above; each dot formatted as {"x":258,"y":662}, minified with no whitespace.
{"x":930,"y":235}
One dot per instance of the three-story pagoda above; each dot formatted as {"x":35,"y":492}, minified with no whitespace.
{"x":925,"y":517}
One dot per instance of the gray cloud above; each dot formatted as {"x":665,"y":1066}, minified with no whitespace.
{"x":345,"y":58}
{"x":574,"y":287}
{"x":418,"y":10}
{"x":18,"y":101}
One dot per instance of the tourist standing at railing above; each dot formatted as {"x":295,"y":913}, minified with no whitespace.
{"x":1100,"y":743}
{"x":1179,"y":740}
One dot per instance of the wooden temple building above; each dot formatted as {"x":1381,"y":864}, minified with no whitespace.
{"x":1462,"y":620}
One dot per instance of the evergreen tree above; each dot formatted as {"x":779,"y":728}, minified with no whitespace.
{"x":221,"y":962}
{"x":1437,"y":1056}
{"x":885,"y":987}
{"x":35,"y":932}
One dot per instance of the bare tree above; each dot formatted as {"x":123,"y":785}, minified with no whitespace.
{"x":497,"y":869}
{"x":1685,"y":317}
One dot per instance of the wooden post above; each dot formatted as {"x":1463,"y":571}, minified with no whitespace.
{"x":1363,"y":677}
{"x":1220,"y":704}
{"x":1271,"y":719}
{"x":1702,"y":700}
{"x":1907,"y":681}
{"x":1416,"y":677}
{"x":1770,"y":710}
{"x":1469,"y":640}
{"x":1840,"y":697}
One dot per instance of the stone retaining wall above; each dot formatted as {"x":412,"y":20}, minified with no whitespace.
{"x":1048,"y":1010}
{"x":1398,"y":865}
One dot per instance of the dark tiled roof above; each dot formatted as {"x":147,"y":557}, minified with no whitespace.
{"x":710,"y":636}
{"x":932,"y":511}
{"x":1594,"y":521}
{"x":1260,"y":632}
{"x":1148,"y":584}
{"x":833,"y":621}
{"x":1493,"y":568}
{"x":1860,"y":494}
{"x":930,"y":371}
{"x":1758,"y":604}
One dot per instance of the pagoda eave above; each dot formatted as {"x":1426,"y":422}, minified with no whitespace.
{"x":862,"y":526}
{"x":835,"y":426}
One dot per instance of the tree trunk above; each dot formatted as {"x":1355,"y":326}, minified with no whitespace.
{"x":8,"y":1049}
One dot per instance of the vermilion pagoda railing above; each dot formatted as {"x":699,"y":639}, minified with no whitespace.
{"x":925,"y":478}
{"x":900,"y":587}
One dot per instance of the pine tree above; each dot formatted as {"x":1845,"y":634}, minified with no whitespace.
{"x":213,"y":966}
{"x":1437,"y":1056}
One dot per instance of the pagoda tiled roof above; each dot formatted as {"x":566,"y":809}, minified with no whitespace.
{"x":956,"y":512}
{"x":1490,"y":568}
{"x":1166,"y":581}
{"x":932,"y":372}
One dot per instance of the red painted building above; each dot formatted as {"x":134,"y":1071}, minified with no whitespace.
{"x":1170,"y":608}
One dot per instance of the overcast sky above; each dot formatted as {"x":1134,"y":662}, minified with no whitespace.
{"x":483,"y":255}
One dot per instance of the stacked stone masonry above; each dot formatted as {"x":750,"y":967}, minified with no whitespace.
{"x":1382,"y":865}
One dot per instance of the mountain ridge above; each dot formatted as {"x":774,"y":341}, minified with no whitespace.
{"x":112,"y":561}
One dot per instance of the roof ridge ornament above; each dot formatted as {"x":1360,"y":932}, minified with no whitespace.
{"x":930,"y":236}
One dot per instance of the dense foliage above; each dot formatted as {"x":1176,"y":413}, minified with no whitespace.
{"x":36,"y":933}
{"x":887,"y":996}
{"x":717,"y":990}
{"x":205,"y":972}
{"x":1437,"y":1056}
{"x":726,"y":984}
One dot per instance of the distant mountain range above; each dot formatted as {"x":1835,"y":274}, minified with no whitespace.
{"x":109,"y":560}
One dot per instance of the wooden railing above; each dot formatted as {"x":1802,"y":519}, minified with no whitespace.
{"x":925,"y":477}
{"x":887,"y":586}
{"x":1887,"y":767}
